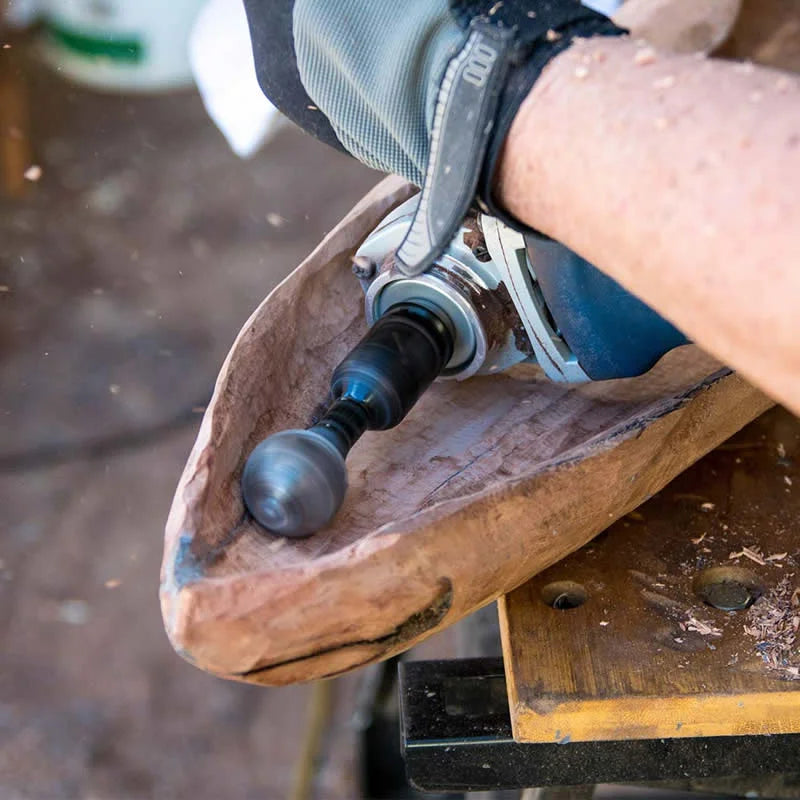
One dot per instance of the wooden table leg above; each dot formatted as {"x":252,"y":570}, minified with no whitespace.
{"x":16,"y":155}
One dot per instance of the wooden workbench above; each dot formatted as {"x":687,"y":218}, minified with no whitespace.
{"x":619,"y":642}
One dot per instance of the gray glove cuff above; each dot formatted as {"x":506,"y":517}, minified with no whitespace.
{"x":379,"y":98}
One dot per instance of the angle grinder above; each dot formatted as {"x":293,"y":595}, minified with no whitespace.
{"x":495,"y":298}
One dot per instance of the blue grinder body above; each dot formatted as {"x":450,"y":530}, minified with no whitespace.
{"x":612,"y":333}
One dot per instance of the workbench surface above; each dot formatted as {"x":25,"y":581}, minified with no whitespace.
{"x":618,"y":642}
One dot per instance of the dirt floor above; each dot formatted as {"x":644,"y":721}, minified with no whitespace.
{"x":125,"y":273}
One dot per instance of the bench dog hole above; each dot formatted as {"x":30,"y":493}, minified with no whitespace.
{"x":728,"y":588}
{"x":564,"y":595}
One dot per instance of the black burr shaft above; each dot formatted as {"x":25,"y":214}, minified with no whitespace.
{"x":384,"y":375}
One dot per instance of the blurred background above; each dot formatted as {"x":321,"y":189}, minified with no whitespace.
{"x":134,"y":244}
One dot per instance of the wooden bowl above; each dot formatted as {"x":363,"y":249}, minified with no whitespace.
{"x":487,"y":482}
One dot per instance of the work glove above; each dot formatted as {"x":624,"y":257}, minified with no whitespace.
{"x":428,"y":89}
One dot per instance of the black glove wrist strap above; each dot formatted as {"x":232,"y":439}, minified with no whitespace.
{"x":484,"y":84}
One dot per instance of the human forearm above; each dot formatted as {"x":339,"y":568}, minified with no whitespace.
{"x":678,"y":177}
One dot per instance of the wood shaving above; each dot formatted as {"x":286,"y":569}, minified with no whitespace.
{"x":777,"y":557}
{"x":787,"y":480}
{"x":744,"y":67}
{"x":495,"y":8}
{"x":701,"y":627}
{"x":753,"y":555}
{"x":781,"y":450}
{"x":531,"y":15}
{"x":276,"y":220}
{"x":774,"y":620}
{"x":707,"y":506}
{"x":698,"y":539}
{"x":644,"y":56}
{"x":552,"y":36}
{"x":581,"y":72}
{"x":113,"y":583}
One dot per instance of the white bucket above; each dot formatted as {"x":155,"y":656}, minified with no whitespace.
{"x":120,"y":44}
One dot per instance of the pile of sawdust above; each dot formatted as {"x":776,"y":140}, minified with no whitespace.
{"x":774,"y":620}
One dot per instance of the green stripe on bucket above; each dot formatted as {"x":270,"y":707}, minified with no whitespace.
{"x":107,"y":45}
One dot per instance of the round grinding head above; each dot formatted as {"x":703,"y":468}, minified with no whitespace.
{"x":294,"y":482}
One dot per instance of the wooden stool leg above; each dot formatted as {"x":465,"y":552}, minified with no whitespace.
{"x":15,"y":148}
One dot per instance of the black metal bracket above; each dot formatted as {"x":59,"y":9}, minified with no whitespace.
{"x":456,"y":736}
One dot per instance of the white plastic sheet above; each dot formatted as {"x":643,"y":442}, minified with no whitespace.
{"x":221,"y":57}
